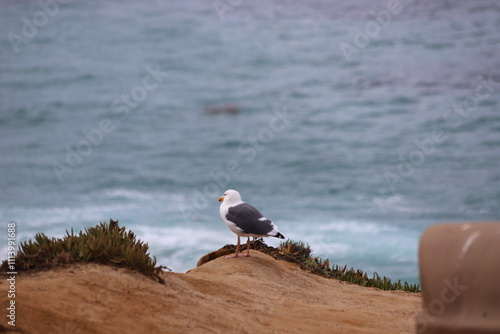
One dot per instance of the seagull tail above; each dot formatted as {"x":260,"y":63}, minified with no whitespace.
{"x":279,"y":235}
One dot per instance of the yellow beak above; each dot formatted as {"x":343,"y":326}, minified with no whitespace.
{"x":221,"y":199}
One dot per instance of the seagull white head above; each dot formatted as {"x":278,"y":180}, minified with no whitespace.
{"x":230,"y":196}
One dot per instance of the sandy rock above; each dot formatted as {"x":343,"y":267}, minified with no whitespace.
{"x":244,"y":295}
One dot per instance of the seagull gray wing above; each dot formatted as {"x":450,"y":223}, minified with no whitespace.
{"x":249,"y":219}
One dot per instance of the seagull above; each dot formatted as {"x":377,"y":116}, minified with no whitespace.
{"x":245,"y":220}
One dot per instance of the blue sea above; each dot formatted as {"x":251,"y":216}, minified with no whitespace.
{"x":358,"y":124}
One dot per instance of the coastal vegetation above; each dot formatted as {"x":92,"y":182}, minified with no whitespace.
{"x":105,"y":243}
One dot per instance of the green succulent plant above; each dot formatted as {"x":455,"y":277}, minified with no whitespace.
{"x":105,"y":243}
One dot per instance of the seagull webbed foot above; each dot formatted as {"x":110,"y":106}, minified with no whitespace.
{"x":236,"y":255}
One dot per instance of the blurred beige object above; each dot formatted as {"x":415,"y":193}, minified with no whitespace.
{"x":460,"y":278}
{"x":224,"y":109}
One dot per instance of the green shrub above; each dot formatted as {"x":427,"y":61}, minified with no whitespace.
{"x":105,"y":243}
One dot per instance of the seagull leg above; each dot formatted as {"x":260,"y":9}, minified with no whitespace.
{"x":237,"y":254}
{"x":237,"y":250}
{"x":248,"y":247}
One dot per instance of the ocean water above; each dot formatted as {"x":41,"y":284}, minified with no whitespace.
{"x":360,"y":123}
